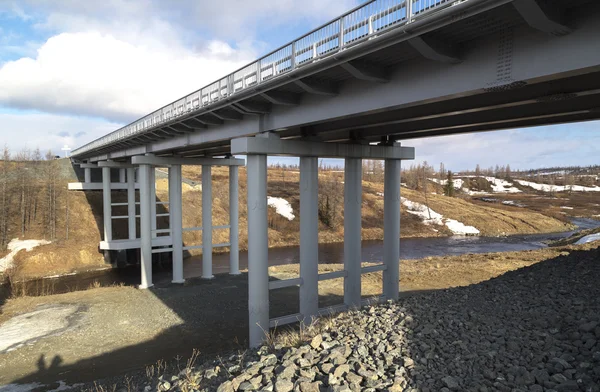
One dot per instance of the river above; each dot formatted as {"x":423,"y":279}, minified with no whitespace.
{"x":372,"y":251}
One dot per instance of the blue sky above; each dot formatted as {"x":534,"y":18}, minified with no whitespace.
{"x":72,"y":71}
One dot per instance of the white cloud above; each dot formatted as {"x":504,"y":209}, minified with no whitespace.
{"x":99,"y":75}
{"x":49,"y":131}
{"x":120,"y":59}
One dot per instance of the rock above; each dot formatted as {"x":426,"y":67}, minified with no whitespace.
{"x":588,"y":327}
{"x":227,"y":386}
{"x":310,"y":386}
{"x":450,"y":382}
{"x":210,"y":374}
{"x":341,"y":371}
{"x":283,"y":385}
{"x":354,"y":378}
{"x":246,"y":386}
{"x":269,"y":360}
{"x":316,"y":341}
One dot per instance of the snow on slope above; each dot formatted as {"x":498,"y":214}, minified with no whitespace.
{"x":282,"y":207}
{"x":558,"y":188}
{"x":437,"y":219}
{"x":17,"y":245}
{"x":588,"y":238}
{"x":458,"y":183}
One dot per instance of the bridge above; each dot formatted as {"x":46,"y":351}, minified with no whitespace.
{"x":384,"y":72}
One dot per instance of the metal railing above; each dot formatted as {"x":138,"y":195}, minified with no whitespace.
{"x":350,"y":29}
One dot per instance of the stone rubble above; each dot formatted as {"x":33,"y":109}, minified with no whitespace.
{"x":536,"y":329}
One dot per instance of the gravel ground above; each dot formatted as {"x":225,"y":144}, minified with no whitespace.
{"x":533,"y":329}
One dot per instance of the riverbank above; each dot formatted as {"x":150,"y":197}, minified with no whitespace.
{"x":105,"y":334}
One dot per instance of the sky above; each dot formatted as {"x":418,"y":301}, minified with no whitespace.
{"x":72,"y":71}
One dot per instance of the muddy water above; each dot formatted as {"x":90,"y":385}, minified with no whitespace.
{"x":372,"y":251}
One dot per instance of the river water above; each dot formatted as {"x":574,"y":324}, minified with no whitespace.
{"x":372,"y":251}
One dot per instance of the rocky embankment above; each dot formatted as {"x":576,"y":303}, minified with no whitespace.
{"x":533,"y":329}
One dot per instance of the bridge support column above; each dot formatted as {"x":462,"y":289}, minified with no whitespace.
{"x":146,"y":204}
{"x":152,"y":181}
{"x":207,"y":222}
{"x":107,"y":203}
{"x":391,"y":229}
{"x":131,"y":210}
{"x":352,"y":231}
{"x":309,"y":238}
{"x":234,"y":232}
{"x":258,"y":244}
{"x":122,"y":177}
{"x":87,"y":175}
{"x":176,"y":221}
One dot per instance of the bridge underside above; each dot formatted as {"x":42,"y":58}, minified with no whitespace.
{"x":473,"y":66}
{"x":485,"y":68}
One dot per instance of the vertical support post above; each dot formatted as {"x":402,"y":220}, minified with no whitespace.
{"x":309,"y":238}
{"x":152,"y":185}
{"x":176,"y":220}
{"x":341,"y":38}
{"x":107,"y":203}
{"x":131,"y":203}
{"x":258,"y":249}
{"x":122,"y":172}
{"x":146,"y":203}
{"x":207,"y":222}
{"x":87,"y":174}
{"x":352,"y":231}
{"x":409,"y":11}
{"x":234,"y":232}
{"x":391,"y":229}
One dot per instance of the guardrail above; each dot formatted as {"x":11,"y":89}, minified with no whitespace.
{"x":350,"y":29}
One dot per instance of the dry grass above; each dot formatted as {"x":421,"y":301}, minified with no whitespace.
{"x":80,"y":251}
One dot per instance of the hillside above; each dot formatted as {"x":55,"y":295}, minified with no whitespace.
{"x":78,"y":251}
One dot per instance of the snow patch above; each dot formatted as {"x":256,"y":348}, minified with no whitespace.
{"x":558,"y":188}
{"x":17,"y":245}
{"x":282,"y":207}
{"x":458,"y":182}
{"x":566,"y":208}
{"x":588,"y":239}
{"x":431,"y":217}
{"x":502,"y":186}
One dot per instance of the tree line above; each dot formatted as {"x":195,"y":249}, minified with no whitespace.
{"x":31,"y":185}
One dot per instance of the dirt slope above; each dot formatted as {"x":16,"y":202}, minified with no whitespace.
{"x":80,"y":250}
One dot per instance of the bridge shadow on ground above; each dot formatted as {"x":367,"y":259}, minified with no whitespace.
{"x":215,"y":321}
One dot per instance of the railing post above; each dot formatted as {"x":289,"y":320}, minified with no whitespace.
{"x":309,"y":238}
{"x":234,"y":232}
{"x":146,"y":225}
{"x":409,"y":4}
{"x":341,"y":39}
{"x":258,"y":72}
{"x":352,"y":231}
{"x":176,"y":223}
{"x":258,"y":250}
{"x":293,"y":57}
{"x":107,"y":203}
{"x":391,"y":229}
{"x":207,"y":222}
